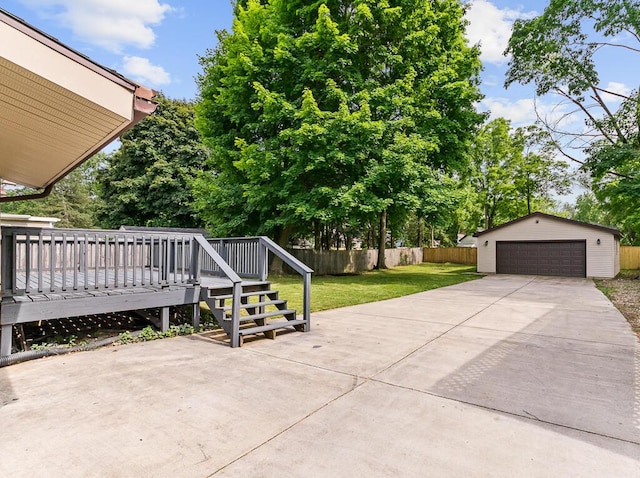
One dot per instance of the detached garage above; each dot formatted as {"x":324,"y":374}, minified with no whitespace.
{"x":541,"y":244}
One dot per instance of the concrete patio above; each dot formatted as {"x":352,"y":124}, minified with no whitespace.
{"x":503,"y":376}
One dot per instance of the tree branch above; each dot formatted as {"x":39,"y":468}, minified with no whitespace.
{"x":586,"y":112}
{"x":604,"y":106}
{"x":619,"y":95}
{"x":617,"y":45}
{"x":564,"y":153}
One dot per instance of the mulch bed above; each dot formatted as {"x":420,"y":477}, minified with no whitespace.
{"x":624,"y":292}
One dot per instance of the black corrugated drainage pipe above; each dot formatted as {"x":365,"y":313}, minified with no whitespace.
{"x":34,"y":354}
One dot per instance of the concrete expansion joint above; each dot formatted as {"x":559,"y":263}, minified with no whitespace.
{"x":453,"y":327}
{"x":292,"y":425}
{"x":525,"y":415}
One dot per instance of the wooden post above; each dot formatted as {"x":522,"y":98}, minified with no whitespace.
{"x":263,"y":267}
{"x":164,"y":319}
{"x":195,"y":315}
{"x":6,"y":332}
{"x":236,"y":340}
{"x":306,"y":304}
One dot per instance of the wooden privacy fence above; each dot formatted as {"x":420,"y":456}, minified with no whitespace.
{"x":629,"y":257}
{"x":355,"y":261}
{"x":455,"y":255}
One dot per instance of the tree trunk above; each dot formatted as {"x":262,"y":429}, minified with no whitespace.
{"x":382,"y":239}
{"x":419,"y":240}
{"x":317,"y":244}
{"x":282,"y":236}
{"x":487,"y":220}
{"x":327,"y":238}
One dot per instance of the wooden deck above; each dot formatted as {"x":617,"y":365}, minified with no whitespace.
{"x":59,"y":273}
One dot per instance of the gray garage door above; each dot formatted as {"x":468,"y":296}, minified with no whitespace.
{"x":548,"y":258}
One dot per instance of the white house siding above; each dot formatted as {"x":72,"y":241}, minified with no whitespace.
{"x":602,"y":260}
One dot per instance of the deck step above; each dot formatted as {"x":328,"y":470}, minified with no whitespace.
{"x":244,"y":294}
{"x":281,"y":324}
{"x":264,"y":315}
{"x":256,"y":304}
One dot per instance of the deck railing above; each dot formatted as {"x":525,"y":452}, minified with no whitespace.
{"x":37,"y":261}
{"x":249,"y":257}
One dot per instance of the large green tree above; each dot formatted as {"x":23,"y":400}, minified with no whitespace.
{"x":514,"y":172}
{"x":558,"y":51}
{"x":73,"y":199}
{"x":332,"y":113}
{"x":146,"y":182}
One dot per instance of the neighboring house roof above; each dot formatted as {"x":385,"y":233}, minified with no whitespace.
{"x":467,"y":240}
{"x":57,"y":106}
{"x":25,"y":220}
{"x":175,"y":230}
{"x":611,"y":230}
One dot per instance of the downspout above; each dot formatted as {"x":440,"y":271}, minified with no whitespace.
{"x":43,"y":194}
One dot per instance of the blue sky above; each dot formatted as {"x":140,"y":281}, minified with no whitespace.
{"x":157,"y":42}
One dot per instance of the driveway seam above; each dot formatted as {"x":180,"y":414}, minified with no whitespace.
{"x":450,"y":329}
{"x":529,"y":416}
{"x":289,"y":427}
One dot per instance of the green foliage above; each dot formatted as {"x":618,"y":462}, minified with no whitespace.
{"x":43,"y":346}
{"x":589,"y":209}
{"x":72,"y":200}
{"x":148,"y":333}
{"x":146,"y":181}
{"x":125,"y":337}
{"x":333,"y":114}
{"x":619,"y":194}
{"x":557,"y":51}
{"x":514,"y":172}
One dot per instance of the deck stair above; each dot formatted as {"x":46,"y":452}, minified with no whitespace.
{"x":262,"y":311}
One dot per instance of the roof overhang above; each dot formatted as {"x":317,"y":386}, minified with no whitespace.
{"x":57,"y":107}
{"x":611,"y":230}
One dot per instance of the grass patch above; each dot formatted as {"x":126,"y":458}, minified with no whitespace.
{"x":331,"y":292}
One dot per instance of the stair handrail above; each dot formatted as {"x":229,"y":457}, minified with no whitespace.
{"x":298,"y":266}
{"x":293,"y":262}
{"x":233,"y":277}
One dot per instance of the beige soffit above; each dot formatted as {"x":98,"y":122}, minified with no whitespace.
{"x":57,"y":107}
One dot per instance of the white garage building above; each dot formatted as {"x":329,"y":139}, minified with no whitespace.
{"x":542,"y":244}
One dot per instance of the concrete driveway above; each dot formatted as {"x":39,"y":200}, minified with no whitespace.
{"x":503,"y":376}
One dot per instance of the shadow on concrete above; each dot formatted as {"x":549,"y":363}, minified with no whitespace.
{"x":7,"y":394}
{"x":535,"y":374}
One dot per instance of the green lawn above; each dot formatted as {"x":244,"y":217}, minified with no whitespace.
{"x":330,"y":292}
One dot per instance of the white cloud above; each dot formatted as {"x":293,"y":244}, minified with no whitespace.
{"x":525,"y":111}
{"x":111,"y":24}
{"x":491,"y":27}
{"x":142,"y":70}
{"x":618,"y":89}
